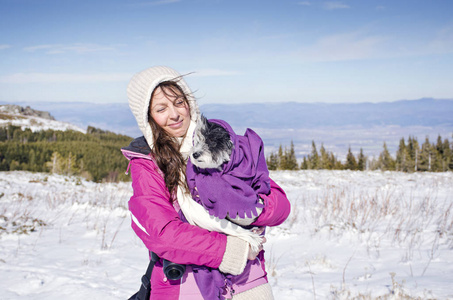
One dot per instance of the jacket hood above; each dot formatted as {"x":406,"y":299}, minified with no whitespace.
{"x":139,"y":93}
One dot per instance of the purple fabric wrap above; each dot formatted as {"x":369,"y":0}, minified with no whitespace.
{"x":212,"y":283}
{"x":234,"y":189}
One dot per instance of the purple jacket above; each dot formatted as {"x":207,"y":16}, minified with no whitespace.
{"x":157,"y":223}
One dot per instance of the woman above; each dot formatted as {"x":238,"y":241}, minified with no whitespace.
{"x":166,"y":113}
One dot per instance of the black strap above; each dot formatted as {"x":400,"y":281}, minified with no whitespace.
{"x":145,"y":287}
{"x":153,"y":260}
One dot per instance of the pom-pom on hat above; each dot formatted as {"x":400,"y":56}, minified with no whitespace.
{"x":139,"y":93}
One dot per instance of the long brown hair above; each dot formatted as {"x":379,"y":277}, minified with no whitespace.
{"x":166,"y":148}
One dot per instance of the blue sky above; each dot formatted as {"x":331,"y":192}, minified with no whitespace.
{"x":240,"y":51}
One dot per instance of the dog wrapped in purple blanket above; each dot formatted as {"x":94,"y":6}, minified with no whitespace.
{"x":226,"y":172}
{"x":225,"y":175}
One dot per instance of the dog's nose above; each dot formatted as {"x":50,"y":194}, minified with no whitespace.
{"x":196,"y":154}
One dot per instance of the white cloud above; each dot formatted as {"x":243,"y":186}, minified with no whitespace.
{"x":335,"y":5}
{"x":40,"y":47}
{"x":75,"y":48}
{"x":443,"y":41}
{"x":21,"y":78}
{"x":304,"y":3}
{"x":361,"y":45}
{"x":4,"y":46}
{"x":348,"y":46}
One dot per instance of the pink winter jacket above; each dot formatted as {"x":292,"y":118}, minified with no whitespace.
{"x":156,"y":222}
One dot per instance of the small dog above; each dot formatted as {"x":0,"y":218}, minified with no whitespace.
{"x":212,"y":145}
{"x":225,"y":174}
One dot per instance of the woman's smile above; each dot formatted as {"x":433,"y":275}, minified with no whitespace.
{"x":177,"y":124}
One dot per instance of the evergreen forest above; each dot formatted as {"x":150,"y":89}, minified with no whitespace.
{"x":411,"y":156}
{"x":95,"y":155}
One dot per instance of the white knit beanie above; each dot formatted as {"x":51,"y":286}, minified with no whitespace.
{"x":139,"y":93}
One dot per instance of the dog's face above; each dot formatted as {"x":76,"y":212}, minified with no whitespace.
{"x":212,"y":145}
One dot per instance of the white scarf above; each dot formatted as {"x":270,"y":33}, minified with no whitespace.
{"x":197,"y":215}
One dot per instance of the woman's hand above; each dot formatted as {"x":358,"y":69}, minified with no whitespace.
{"x":253,"y":254}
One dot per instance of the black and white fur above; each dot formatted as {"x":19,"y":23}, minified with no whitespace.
{"x":212,"y":145}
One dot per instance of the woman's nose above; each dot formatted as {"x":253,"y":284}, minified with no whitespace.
{"x":173,"y":112}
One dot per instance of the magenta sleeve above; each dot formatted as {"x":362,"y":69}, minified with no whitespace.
{"x":276,"y":207}
{"x":158,"y":225}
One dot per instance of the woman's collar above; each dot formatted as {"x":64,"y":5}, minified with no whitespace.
{"x":186,"y":142}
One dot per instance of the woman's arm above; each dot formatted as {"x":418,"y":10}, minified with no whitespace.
{"x":276,"y":207}
{"x":158,"y":225}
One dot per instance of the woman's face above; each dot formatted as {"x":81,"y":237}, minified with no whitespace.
{"x":169,"y":112}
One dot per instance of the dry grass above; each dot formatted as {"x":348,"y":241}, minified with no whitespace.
{"x":405,"y":220}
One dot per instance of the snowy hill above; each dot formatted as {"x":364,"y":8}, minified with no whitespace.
{"x":350,"y":235}
{"x":34,"y":119}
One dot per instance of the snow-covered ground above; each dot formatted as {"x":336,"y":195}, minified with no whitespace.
{"x":36,"y":123}
{"x":350,"y":235}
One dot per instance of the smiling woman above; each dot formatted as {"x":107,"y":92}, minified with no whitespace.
{"x":167,"y":114}
{"x":169,"y":109}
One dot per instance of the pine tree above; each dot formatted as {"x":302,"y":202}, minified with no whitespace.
{"x":314,"y":157}
{"x":71,"y":164}
{"x":414,"y":153}
{"x":291,"y":159}
{"x":426,"y":156}
{"x":32,"y":160}
{"x":324,"y":160}
{"x":336,"y":164}
{"x":272,"y":161}
{"x":351,"y":162}
{"x":437,"y":155}
{"x":281,"y":158}
{"x":14,"y":165}
{"x":447,"y":156}
{"x":402,"y":157}
{"x":450,"y":164}
{"x":442,"y":155}
{"x":361,"y":161}
{"x":304,"y":164}
{"x":55,"y":164}
{"x":385,"y":161}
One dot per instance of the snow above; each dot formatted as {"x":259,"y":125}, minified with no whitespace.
{"x":37,"y":123}
{"x":350,"y":234}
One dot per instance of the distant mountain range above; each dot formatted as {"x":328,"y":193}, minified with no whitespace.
{"x":423,"y":112}
{"x":337,"y":125}
{"x":117,"y":117}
